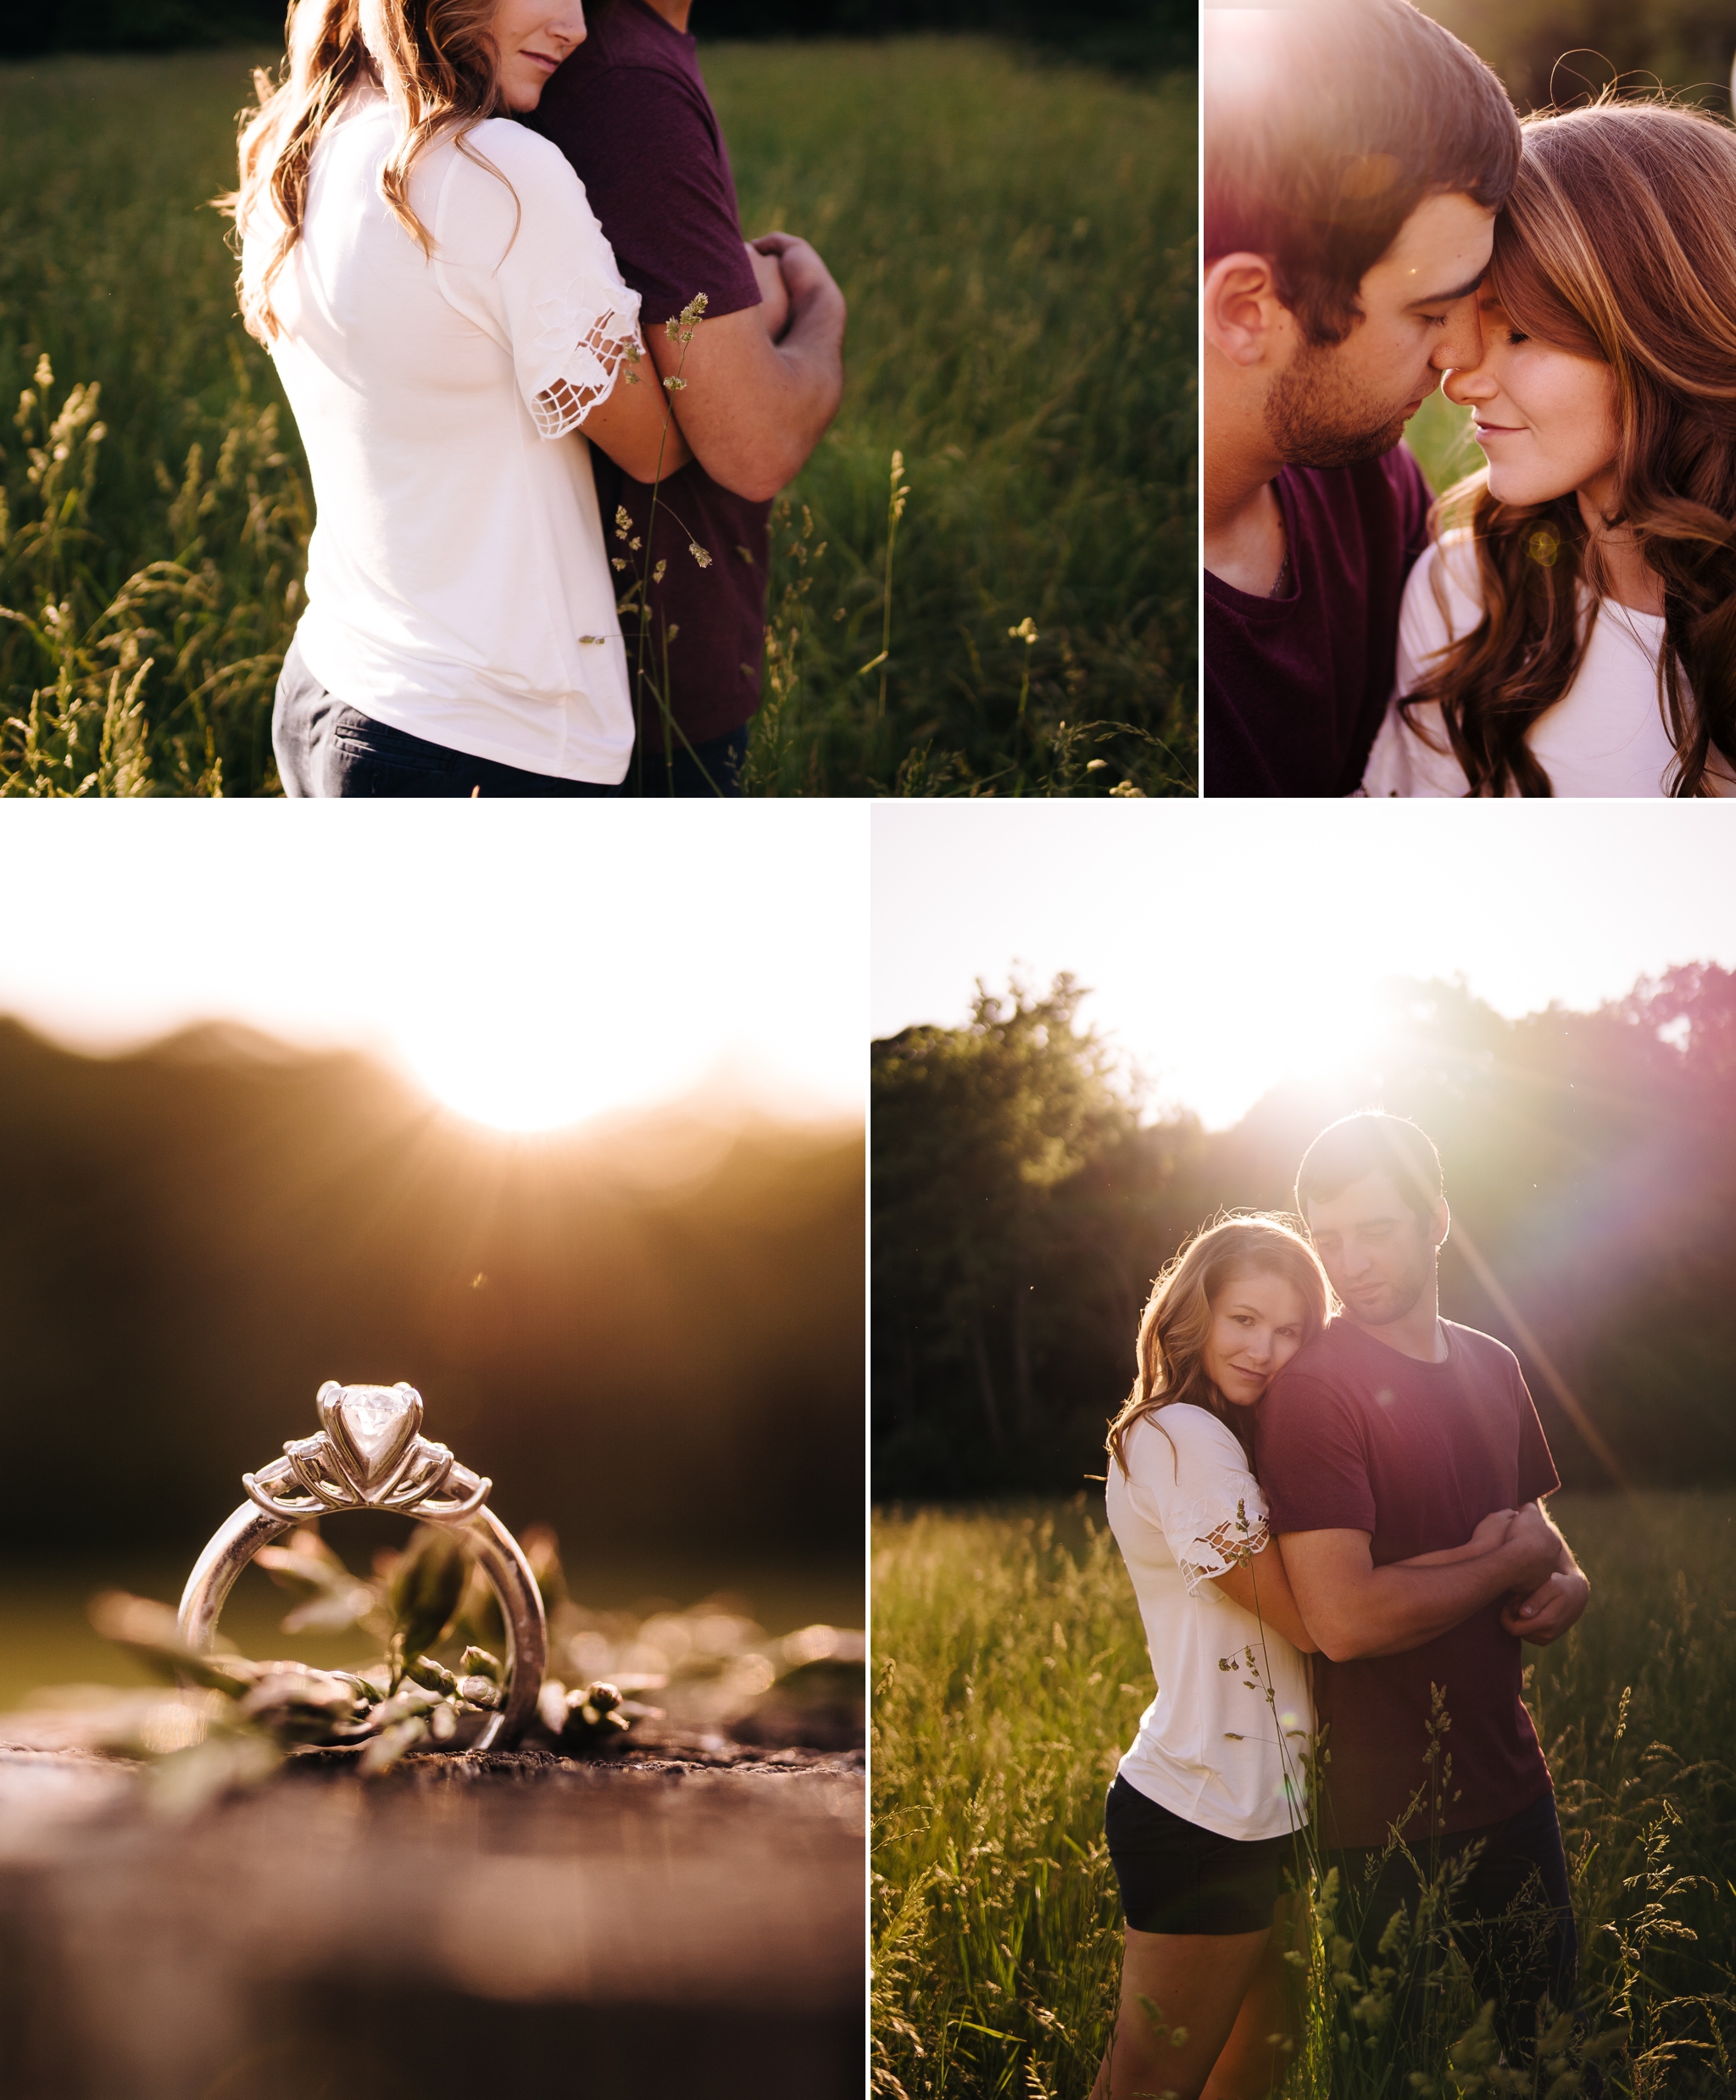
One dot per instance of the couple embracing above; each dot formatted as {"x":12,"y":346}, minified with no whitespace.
{"x":464,"y":225}
{"x":1378,"y":222}
{"x":1332,"y":1524}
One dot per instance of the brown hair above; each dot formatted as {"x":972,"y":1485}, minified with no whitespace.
{"x":1619,"y":241}
{"x":1171,"y":1350}
{"x":1324,"y":131}
{"x":436,"y":62}
{"x":1371,"y":1142}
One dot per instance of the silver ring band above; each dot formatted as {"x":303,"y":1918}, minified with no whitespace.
{"x":370,"y":1455}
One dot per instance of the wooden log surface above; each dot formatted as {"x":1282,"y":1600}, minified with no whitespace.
{"x":686,"y":1919}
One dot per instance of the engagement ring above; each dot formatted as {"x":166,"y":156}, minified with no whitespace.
{"x":369,"y":1454}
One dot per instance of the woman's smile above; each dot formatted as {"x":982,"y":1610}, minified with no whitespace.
{"x":1258,"y":1320}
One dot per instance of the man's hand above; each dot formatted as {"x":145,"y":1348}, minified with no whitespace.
{"x":804,"y":275}
{"x":1544,"y":1613}
{"x":1491,"y":1532}
{"x":1547,"y":1613}
{"x":774,"y":292}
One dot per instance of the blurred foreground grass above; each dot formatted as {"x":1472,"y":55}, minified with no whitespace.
{"x":46,"y":1639}
{"x":1015,"y":237}
{"x":1008,"y":1674}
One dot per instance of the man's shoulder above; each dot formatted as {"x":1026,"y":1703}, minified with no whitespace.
{"x":1481,"y":1354}
{"x":627,"y":36}
{"x":1319,"y":1371}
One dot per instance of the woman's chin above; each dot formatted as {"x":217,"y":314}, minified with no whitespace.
{"x":1511,"y":485}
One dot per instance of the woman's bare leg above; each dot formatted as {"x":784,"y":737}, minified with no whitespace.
{"x":1250,"y":2064}
{"x":1196,"y":1983}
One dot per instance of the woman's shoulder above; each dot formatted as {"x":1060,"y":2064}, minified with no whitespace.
{"x":1443,"y":594}
{"x":499,"y":147}
{"x":1193,"y":1434}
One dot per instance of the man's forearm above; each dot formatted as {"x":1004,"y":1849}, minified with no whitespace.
{"x":752,"y":408}
{"x":755,"y":439}
{"x":1389,"y":1610}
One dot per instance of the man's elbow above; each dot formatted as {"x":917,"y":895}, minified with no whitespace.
{"x":756,"y":474}
{"x":1340,"y":1640}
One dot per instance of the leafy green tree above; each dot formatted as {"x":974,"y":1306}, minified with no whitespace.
{"x":1005,"y":1152}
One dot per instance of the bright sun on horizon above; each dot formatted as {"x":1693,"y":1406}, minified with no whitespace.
{"x":1226,"y":947}
{"x":528,"y":972}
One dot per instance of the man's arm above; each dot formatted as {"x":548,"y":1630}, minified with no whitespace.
{"x":753,"y":410}
{"x":1355,"y":1609}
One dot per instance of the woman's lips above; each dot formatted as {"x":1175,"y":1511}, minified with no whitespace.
{"x":541,"y":58}
{"x":1497,"y":429}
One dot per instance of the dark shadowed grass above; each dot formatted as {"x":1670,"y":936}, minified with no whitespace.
{"x":1014,"y":240}
{"x":1009,"y":1672}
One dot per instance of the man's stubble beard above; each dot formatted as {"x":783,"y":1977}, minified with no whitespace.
{"x":1314,"y":418}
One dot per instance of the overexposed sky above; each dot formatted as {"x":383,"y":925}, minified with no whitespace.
{"x":531,"y":964}
{"x":1230,"y":944}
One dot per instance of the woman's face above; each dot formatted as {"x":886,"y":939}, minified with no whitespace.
{"x":1545,"y":417}
{"x":1258,"y":1321}
{"x":533,"y":37}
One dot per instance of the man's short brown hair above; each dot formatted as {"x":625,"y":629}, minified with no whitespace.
{"x":1372,"y":1143}
{"x":1326,"y":126}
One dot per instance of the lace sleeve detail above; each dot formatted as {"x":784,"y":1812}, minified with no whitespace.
{"x":584,"y":335}
{"x":1237,"y":1538}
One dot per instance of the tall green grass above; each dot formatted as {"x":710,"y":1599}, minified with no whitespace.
{"x":1010,"y":1672}
{"x":1014,"y":240}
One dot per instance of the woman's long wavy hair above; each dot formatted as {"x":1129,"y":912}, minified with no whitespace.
{"x":1619,"y":241}
{"x":1177,"y":1321}
{"x":437,"y":63}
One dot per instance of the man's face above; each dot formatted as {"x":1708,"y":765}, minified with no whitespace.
{"x":1378,"y":1253}
{"x":1337,"y":406}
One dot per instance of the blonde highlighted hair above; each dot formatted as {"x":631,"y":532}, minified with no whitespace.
{"x":1619,"y":243}
{"x":1174,"y":1328}
{"x":436,"y":62}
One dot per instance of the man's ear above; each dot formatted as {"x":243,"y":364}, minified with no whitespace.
{"x":1442,"y":1225}
{"x":1243,"y":313}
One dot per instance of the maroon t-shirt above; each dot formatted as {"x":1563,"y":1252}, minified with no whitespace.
{"x":629,"y":111}
{"x":1355,"y":1436}
{"x":1295,"y":687}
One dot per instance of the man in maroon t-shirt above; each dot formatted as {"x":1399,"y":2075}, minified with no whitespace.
{"x":1396,"y":1434}
{"x":1355,"y":156}
{"x":630,"y":111}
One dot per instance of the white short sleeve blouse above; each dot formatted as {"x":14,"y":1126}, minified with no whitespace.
{"x":458,"y":582}
{"x":1606,"y":736}
{"x":1223,"y":1742}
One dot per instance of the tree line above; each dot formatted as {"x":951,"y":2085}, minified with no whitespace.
{"x":1022,"y":1203}
{"x":1136,"y":33}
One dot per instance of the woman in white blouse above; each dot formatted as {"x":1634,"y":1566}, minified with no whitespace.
{"x":450,"y":329}
{"x":1575,"y":633}
{"x":1201,"y":1816}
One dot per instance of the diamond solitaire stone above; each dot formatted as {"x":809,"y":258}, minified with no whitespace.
{"x":372,"y":1427}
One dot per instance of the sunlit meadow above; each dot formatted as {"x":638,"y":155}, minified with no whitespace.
{"x":1009,"y":1672}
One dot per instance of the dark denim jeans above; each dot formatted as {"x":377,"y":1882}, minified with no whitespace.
{"x":1511,"y":1915}
{"x":713,"y":768}
{"x":324,"y":747}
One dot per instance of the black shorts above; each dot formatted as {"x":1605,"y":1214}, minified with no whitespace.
{"x":1176,"y":1877}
